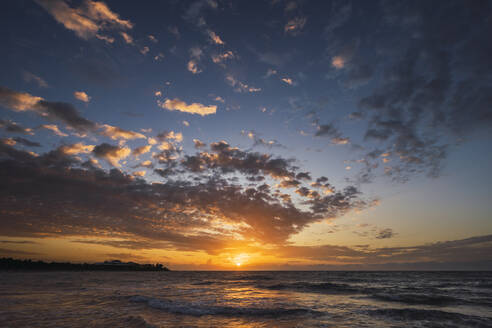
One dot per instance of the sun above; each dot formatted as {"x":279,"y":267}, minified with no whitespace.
{"x":240,"y":259}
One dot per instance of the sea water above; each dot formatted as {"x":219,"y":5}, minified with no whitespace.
{"x":245,"y":299}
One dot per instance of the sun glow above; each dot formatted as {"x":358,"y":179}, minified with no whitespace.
{"x":240,"y":259}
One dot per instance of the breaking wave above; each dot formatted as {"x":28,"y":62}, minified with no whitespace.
{"x":197,"y":309}
{"x":436,"y":317}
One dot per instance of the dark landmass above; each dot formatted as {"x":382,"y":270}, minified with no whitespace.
{"x":114,"y":265}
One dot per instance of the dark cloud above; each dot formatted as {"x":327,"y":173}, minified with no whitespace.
{"x":437,"y":86}
{"x":26,"y":142}
{"x":227,"y":159}
{"x":112,"y":154}
{"x":176,"y":214}
{"x":16,"y":252}
{"x":66,"y":113}
{"x":14,"y":127}
{"x":385,"y":234}
{"x":328,"y":130}
{"x":18,"y":242}
{"x":55,"y":111}
{"x":474,"y":250}
{"x":258,"y":141}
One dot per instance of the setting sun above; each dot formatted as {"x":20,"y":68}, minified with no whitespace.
{"x":240,"y":259}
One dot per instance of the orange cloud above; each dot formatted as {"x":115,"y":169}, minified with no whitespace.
{"x":54,"y":129}
{"x":112,"y":154}
{"x":77,"y":148}
{"x":338,"y":62}
{"x":193,"y":108}
{"x":215,"y":38}
{"x":193,"y":67}
{"x":82,"y":96}
{"x":87,"y":20}
{"x":115,"y":133}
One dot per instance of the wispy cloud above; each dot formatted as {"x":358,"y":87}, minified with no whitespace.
{"x":90,"y":18}
{"x":30,"y":77}
{"x":240,"y":86}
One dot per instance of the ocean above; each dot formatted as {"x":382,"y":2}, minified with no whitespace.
{"x":245,"y":299}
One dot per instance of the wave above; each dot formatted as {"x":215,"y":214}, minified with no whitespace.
{"x":137,"y":322}
{"x":204,"y":283}
{"x":197,"y":309}
{"x":439,"y":300}
{"x":324,"y":287}
{"x":437,"y":317}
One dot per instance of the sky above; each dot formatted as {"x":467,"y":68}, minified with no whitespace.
{"x":252,"y":135}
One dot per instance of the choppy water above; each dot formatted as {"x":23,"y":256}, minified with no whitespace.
{"x":245,"y":299}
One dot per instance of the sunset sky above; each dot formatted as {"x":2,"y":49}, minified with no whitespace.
{"x":269,"y":134}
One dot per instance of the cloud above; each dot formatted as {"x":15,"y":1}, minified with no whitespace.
{"x":18,"y":101}
{"x":60,"y":111}
{"x":187,"y":214}
{"x":338,"y":62}
{"x":193,"y":108}
{"x":141,"y":150}
{"x":87,"y":20}
{"x":14,"y":127}
{"x":159,"y":56}
{"x":145,"y":50}
{"x":220,"y":58}
{"x":199,"y":144}
{"x":287,"y":80}
{"x":30,"y":77}
{"x":82,"y":96}
{"x":260,"y":141}
{"x":195,"y":54}
{"x":240,"y":86}
{"x":227,"y":159}
{"x":112,"y":154}
{"x":66,"y":113}
{"x":170,"y":135}
{"x":432,"y":91}
{"x":77,"y":148}
{"x":53,"y":128}
{"x":340,"y":141}
{"x":327,"y":130}
{"x":57,"y":111}
{"x":215,"y":38}
{"x":295,"y":25}
{"x":194,"y":14}
{"x":152,"y":38}
{"x":385,"y":233}
{"x":116,"y":133}
{"x":26,"y":142}
{"x":106,"y":38}
{"x":193,"y":67}
{"x":127,"y":37}
{"x":139,"y":173}
{"x":270,"y":72}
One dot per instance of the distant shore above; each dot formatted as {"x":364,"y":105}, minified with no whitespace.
{"x":10,"y":264}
